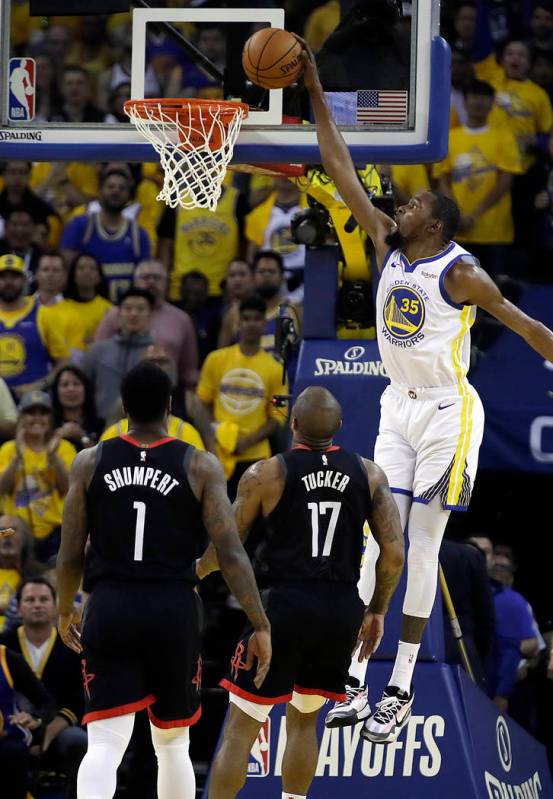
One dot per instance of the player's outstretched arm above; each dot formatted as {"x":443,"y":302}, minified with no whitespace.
{"x":338,"y":163}
{"x":208,"y":483}
{"x":385,"y":526}
{"x":70,"y":560}
{"x":467,"y":283}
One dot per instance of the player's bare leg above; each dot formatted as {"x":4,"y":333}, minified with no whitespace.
{"x":427,"y":525}
{"x":230,"y":766}
{"x":299,"y":762}
{"x":355,"y":706}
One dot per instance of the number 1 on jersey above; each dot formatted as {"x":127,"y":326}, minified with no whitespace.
{"x":140,"y":508}
{"x":319,"y":509}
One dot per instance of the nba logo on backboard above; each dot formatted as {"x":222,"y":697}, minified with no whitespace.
{"x":259,"y":762}
{"x":21,"y":94}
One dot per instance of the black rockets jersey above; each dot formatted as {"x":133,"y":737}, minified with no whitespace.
{"x":145,"y":522}
{"x":316,"y":530}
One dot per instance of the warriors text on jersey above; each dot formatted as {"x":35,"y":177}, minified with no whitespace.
{"x":145,"y":522}
{"x":423,"y":336}
{"x":316,"y":530}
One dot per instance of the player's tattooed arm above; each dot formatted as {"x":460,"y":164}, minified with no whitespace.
{"x":338,"y":163}
{"x":208,"y":483}
{"x":258,"y":490}
{"x":70,"y":560}
{"x":385,"y":526}
{"x":467,"y":283}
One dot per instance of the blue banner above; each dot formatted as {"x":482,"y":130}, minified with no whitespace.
{"x":456,"y":746}
{"x":354,"y":373}
{"x":516,"y":388}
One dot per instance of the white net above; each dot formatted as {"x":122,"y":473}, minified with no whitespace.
{"x":195,"y":144}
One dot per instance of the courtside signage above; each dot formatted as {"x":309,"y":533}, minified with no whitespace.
{"x":457,"y":746}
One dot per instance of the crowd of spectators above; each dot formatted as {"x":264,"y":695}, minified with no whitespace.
{"x":95,"y":275}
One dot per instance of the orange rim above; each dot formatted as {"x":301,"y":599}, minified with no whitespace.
{"x":197,"y":109}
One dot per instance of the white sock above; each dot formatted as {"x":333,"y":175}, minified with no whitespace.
{"x":175,"y":776}
{"x":404,"y":666}
{"x":286,"y":795}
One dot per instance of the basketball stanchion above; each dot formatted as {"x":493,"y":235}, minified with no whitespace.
{"x":455,"y":626}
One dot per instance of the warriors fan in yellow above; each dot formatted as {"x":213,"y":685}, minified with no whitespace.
{"x":432,"y":419}
{"x":237,"y":385}
{"x":34,"y":473}
{"x":478,"y":173}
{"x":29,"y":336}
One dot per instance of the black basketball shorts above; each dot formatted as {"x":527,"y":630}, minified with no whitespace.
{"x":141,"y":645}
{"x":314,"y":628}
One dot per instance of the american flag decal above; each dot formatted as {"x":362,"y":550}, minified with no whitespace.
{"x":383,"y":107}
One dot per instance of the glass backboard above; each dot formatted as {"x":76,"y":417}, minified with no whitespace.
{"x":386,"y":75}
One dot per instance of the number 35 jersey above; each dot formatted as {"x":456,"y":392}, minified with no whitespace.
{"x":423,"y":336}
{"x":316,"y":530}
{"x":145,"y":522}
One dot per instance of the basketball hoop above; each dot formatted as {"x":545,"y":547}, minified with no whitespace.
{"x":195,"y":140}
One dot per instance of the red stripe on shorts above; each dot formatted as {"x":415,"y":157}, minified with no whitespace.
{"x":167,"y":725}
{"x":258,"y":700}
{"x":319,"y":692}
{"x":121,"y":710}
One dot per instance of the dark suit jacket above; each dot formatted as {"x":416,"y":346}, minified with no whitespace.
{"x":61,"y":675}
{"x":467,"y":578}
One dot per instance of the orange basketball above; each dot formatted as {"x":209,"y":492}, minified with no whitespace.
{"x":271,"y":58}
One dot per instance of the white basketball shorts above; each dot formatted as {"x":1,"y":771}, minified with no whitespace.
{"x":428,"y":442}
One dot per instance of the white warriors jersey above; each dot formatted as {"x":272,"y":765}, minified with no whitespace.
{"x":423,"y":336}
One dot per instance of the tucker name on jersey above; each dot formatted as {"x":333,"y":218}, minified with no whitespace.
{"x":326,"y":479}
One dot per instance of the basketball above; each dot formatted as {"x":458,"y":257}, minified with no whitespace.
{"x":272,"y":58}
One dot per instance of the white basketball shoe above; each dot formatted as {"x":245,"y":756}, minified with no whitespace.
{"x":390,"y":717}
{"x":355,"y":707}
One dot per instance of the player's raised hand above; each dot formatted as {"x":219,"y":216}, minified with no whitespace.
{"x":69,"y":629}
{"x":370,"y":634}
{"x":310,"y":71}
{"x":259,"y":646}
{"x":7,"y":532}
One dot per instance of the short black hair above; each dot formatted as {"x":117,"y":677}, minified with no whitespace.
{"x":134,"y":292}
{"x":18,"y":209}
{"x":253,"y":303}
{"x":446,"y":210}
{"x":122,"y":173}
{"x":481,"y":88}
{"x":76,"y":68}
{"x":272,"y":254}
{"x":146,"y":393}
{"x":547,"y":5}
{"x":5,"y":164}
{"x":195,"y":274}
{"x":53,"y":254}
{"x":31,"y":581}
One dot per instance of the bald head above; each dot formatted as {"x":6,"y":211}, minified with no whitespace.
{"x":317,"y":415}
